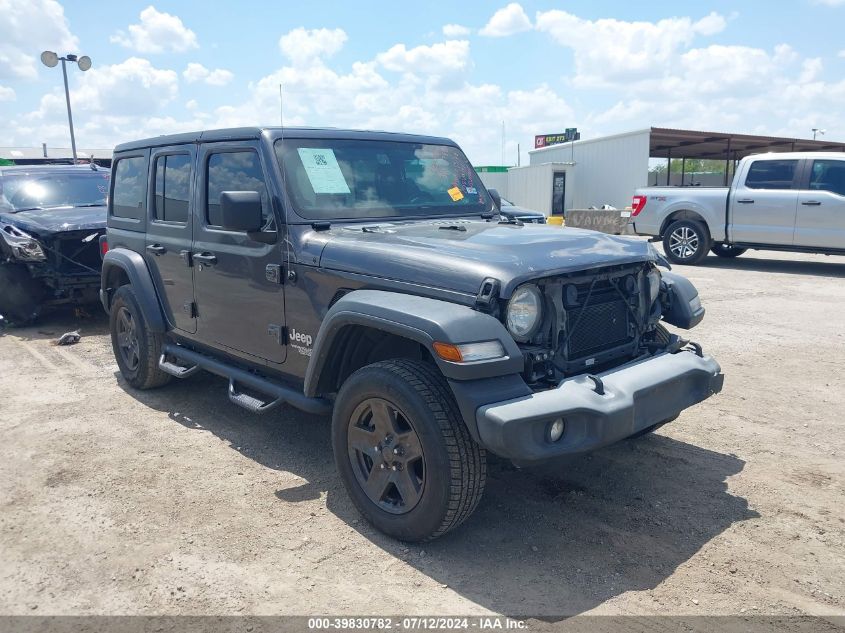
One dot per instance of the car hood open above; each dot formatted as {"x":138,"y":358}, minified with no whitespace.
{"x":459,"y":255}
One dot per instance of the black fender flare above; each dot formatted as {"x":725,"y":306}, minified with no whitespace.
{"x":139,"y":276}
{"x":684,"y":308}
{"x":420,"y":319}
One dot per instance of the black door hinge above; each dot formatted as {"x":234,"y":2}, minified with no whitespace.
{"x":273,"y":273}
{"x":186,"y":257}
{"x":190,"y":309}
{"x":279,"y":332}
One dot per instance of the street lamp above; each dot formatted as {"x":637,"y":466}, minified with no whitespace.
{"x":817,"y":131}
{"x":50,"y":59}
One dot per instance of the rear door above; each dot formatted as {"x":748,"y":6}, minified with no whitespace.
{"x":170,"y":232}
{"x":821,"y":205}
{"x":764,"y":203}
{"x":237,"y":280}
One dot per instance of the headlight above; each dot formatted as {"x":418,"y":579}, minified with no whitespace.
{"x":24,"y":247}
{"x":653,"y":285}
{"x":525,"y":312}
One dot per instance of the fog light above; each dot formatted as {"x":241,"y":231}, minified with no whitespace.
{"x":555,"y":430}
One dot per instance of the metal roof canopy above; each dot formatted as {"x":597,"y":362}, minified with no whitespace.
{"x":670,"y":143}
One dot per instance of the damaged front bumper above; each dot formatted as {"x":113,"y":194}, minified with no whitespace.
{"x":598,"y":410}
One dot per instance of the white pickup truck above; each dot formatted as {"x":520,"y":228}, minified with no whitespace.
{"x":788,"y":202}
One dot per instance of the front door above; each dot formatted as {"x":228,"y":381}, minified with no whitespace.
{"x":559,"y":193}
{"x":763,"y":205}
{"x":237,"y":279}
{"x":170,"y":231}
{"x":821,"y":206}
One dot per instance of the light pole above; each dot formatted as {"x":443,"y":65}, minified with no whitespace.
{"x":50,"y":59}
{"x":817,"y":131}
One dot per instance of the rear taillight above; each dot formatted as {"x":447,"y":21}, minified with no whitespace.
{"x":637,"y":204}
{"x":104,"y":247}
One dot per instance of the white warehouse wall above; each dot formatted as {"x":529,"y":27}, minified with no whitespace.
{"x":530,"y":186}
{"x":607,"y":170}
{"x":497,"y":180}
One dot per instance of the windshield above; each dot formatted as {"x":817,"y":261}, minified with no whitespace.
{"x":35,"y":191}
{"x":360,"y":179}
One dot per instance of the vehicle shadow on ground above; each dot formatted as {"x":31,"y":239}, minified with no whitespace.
{"x":834,"y":268}
{"x":555,"y":540}
{"x":88,"y":320}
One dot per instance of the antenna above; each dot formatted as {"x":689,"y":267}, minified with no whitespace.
{"x":281,"y":108}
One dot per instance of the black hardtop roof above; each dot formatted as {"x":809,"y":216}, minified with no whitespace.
{"x":22,"y":170}
{"x":247,"y":133}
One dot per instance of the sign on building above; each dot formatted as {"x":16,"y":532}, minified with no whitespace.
{"x":543,"y":140}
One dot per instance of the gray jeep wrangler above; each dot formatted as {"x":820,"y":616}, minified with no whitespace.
{"x":369,"y":276}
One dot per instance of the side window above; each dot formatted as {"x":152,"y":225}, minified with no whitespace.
{"x":828,"y":175}
{"x":172,"y":188}
{"x":130,"y":185}
{"x":236,"y":171}
{"x":771,"y":174}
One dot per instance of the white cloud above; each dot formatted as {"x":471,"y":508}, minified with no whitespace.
{"x":608,"y":51}
{"x":197,"y":72}
{"x":830,"y":3}
{"x":7,"y":94}
{"x":455,"y":30}
{"x":841,"y":53}
{"x":437,"y":59}
{"x":507,"y":21}
{"x":29,"y":26}
{"x":302,"y":45}
{"x":156,"y":33}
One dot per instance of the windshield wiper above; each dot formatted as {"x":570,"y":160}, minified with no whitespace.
{"x":89,"y":204}
{"x":27,"y":209}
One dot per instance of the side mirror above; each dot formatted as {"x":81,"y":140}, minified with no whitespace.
{"x":497,"y":199}
{"x":241,"y":211}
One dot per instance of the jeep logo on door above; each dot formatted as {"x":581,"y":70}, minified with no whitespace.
{"x":299,"y":337}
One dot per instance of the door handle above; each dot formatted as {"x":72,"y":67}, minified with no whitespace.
{"x":207,"y":259}
{"x":745,"y":201}
{"x":156,"y":249}
{"x":811,"y":203}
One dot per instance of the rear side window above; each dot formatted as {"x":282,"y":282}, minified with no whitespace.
{"x":130,"y":184}
{"x":236,"y":171}
{"x":771,"y":174}
{"x":828,"y":175}
{"x":172,"y":187}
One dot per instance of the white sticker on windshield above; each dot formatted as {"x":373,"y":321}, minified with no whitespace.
{"x":323,"y":170}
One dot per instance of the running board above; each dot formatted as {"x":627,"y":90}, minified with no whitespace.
{"x":277,"y":392}
{"x":176,"y":370}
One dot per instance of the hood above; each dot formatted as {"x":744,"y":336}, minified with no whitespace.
{"x":57,"y":219}
{"x":425,"y":252}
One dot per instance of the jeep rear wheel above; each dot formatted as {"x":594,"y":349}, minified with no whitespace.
{"x":686,"y":242}
{"x":136,"y":348}
{"x":403,"y":451}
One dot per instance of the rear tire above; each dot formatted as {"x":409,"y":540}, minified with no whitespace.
{"x":726,"y":251}
{"x":403,"y":451}
{"x":136,"y":348}
{"x":686,"y":242}
{"x":21,"y":296}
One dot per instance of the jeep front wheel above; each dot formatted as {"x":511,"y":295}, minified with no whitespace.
{"x":137,"y":349}
{"x":403,"y":451}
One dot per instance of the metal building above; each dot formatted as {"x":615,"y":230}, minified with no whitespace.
{"x":607,"y":170}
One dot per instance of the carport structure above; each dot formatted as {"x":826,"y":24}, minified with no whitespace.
{"x":670,"y":143}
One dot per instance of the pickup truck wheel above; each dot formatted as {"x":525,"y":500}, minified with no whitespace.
{"x":21,"y":296}
{"x":136,"y":348}
{"x":403,"y":451}
{"x":727,"y":251}
{"x":686,"y":242}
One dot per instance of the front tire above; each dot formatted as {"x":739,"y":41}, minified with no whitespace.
{"x":21,"y":296}
{"x":403,"y":451}
{"x":727,"y":251}
{"x":137,"y":349}
{"x":686,"y":242}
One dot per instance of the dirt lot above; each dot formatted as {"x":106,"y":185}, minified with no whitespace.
{"x":176,"y":502}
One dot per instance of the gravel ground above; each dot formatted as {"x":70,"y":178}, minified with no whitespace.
{"x":176,"y":502}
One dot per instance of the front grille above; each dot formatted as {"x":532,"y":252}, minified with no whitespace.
{"x":601,"y":326}
{"x":75,"y":256}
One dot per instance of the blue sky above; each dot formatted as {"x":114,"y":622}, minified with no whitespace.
{"x":433,"y":67}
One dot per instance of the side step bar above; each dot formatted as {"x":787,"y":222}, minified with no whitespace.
{"x":278,"y":393}
{"x":176,"y":370}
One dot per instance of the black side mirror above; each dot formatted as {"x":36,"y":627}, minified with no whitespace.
{"x":497,"y":199}
{"x":241,"y":211}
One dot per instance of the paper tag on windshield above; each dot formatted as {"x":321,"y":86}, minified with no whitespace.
{"x":455,"y":194}
{"x":323,"y":170}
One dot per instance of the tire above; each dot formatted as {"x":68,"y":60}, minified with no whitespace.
{"x":21,"y":296}
{"x":440,"y":471}
{"x":136,"y":348}
{"x":686,"y":242}
{"x":727,"y":251}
